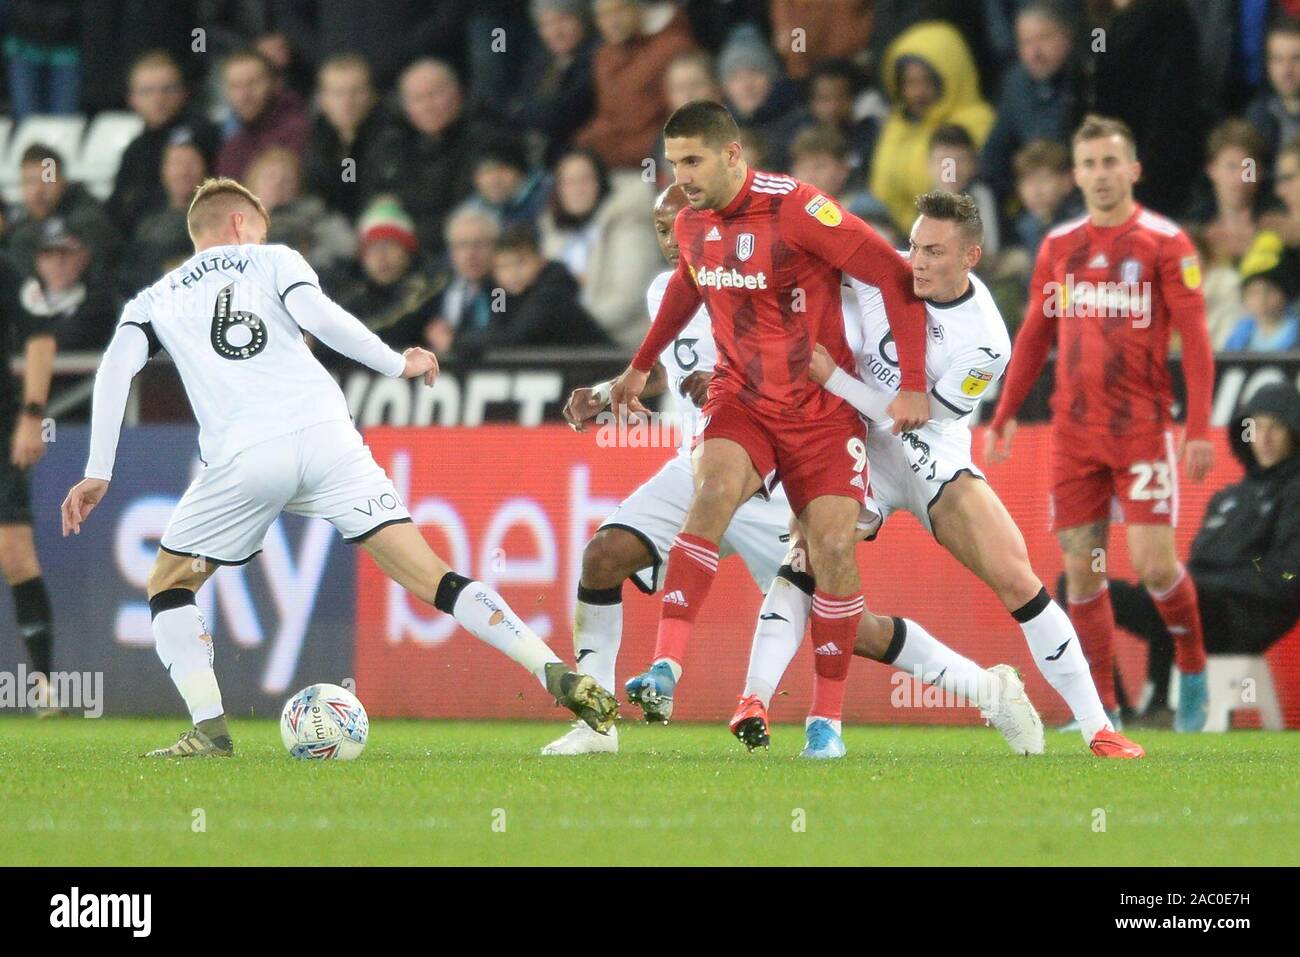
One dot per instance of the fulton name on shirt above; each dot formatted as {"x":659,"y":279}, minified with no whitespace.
{"x":212,"y":264}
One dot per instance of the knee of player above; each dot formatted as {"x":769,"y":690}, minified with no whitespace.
{"x":875,"y":632}
{"x":1015,"y":584}
{"x":1084,"y":571}
{"x":168,"y":574}
{"x":832,"y":544}
{"x":605,"y":560}
{"x":717,"y":493}
{"x":1159,"y":573}
{"x":17,"y":562}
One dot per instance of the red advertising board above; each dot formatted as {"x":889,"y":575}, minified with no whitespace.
{"x":515,"y":506}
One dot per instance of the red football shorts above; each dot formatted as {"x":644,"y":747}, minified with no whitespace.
{"x":1129,"y":478}
{"x":811,"y":458}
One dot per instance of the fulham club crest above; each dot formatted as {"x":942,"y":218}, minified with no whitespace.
{"x":744,"y":246}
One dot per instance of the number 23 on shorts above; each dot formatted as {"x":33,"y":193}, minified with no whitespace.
{"x":1152,"y":481}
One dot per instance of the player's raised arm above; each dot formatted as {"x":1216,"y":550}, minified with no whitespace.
{"x":835,"y":236}
{"x":343,"y":332}
{"x":1179,"y":275}
{"x":127,"y":353}
{"x":681,"y":299}
{"x":1033,"y":343}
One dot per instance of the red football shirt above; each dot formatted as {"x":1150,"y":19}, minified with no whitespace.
{"x":1109,"y":298}
{"x":768,"y":269}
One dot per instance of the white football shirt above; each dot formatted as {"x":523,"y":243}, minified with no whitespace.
{"x":243,"y":359}
{"x":967,"y":348}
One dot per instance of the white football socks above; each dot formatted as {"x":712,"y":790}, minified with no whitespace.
{"x":782,"y":621}
{"x":931,"y":661}
{"x":598,"y":632}
{"x":1059,"y":656}
{"x":486,"y":616}
{"x":185,"y":648}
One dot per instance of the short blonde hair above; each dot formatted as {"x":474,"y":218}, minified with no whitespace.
{"x":215,"y":199}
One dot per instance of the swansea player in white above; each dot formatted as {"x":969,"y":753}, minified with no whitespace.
{"x":929,"y":472}
{"x":274,"y":435}
{"x":633,"y":543}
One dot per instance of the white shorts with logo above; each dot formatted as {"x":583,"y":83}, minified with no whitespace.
{"x":323,"y":471}
{"x":759,"y":531}
{"x":909,"y":472}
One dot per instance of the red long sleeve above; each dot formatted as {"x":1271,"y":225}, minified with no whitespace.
{"x":681,"y":299}
{"x":1032,"y":345}
{"x":1028,"y":357}
{"x":1186,"y":305}
{"x":874,"y":261}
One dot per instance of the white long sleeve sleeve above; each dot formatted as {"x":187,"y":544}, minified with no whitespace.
{"x":126,"y":355}
{"x":868,"y":401}
{"x":874,"y":404}
{"x":343,"y":332}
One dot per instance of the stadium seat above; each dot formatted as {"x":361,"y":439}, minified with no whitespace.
{"x":1237,"y":683}
{"x":61,"y":133}
{"x":101,"y":151}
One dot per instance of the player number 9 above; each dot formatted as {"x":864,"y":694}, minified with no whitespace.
{"x":858,"y":449}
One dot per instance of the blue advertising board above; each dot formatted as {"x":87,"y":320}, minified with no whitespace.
{"x":284,"y":620}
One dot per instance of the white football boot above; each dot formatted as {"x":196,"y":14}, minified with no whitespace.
{"x":582,"y":740}
{"x":1011,"y":712}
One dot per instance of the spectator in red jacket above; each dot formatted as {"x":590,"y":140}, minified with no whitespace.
{"x":639,"y":41}
{"x":268,"y":114}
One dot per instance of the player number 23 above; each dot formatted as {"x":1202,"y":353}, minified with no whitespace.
{"x":1152,"y":481}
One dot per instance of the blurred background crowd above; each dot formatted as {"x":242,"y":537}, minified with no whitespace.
{"x":467,"y":175}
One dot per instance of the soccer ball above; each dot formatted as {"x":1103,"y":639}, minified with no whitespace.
{"x":324,"y":722}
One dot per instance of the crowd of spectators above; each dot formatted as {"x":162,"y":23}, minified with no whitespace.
{"x":476,"y":175}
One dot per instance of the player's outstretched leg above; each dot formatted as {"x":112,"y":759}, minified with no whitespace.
{"x":610,"y":557}
{"x":185,"y":648}
{"x":972,"y":523}
{"x":403,"y":555}
{"x":900,"y":642}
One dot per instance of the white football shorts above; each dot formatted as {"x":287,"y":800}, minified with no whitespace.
{"x":909,"y":472}
{"x":323,"y":471}
{"x":759,"y":531}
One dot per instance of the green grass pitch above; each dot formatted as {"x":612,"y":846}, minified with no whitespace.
{"x":75,"y":792}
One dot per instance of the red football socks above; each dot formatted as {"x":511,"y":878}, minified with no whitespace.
{"x":692,"y":563}
{"x":1182,"y":616}
{"x":834,"y":630}
{"x":1094,"y":620}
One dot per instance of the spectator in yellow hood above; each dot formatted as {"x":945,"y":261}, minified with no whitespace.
{"x":930,"y":77}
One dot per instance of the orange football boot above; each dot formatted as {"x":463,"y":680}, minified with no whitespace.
{"x":749,"y":723}
{"x":1111,"y":744}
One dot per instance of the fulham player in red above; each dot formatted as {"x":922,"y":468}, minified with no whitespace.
{"x":1108,"y":290}
{"x":764,"y":253}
